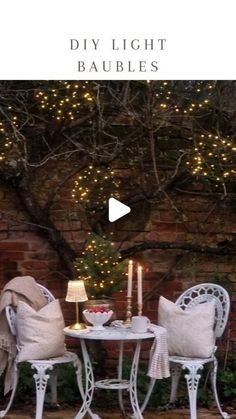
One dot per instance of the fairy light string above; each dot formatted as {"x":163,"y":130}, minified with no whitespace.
{"x":100,"y":181}
{"x":197,"y":97}
{"x":211,"y":156}
{"x":65,"y":100}
{"x":6,"y":135}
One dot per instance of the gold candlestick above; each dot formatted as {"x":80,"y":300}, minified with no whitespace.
{"x":140,"y":309}
{"x":128,"y":311}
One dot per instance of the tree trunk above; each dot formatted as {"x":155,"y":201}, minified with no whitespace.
{"x":45,"y":226}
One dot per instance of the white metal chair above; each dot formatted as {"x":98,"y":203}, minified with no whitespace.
{"x":45,"y":368}
{"x":190,"y":298}
{"x":197,"y":295}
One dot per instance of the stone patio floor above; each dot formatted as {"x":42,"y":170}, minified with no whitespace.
{"x":115,"y":414}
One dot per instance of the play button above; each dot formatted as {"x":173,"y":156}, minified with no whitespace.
{"x":115,"y":205}
{"x":116,"y":209}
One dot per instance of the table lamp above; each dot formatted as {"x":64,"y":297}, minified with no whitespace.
{"x":76,"y":294}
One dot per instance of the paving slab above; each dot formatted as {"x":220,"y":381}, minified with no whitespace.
{"x":115,"y":414}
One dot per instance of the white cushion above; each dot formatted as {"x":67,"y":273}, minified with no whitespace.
{"x":189,"y":332}
{"x":40,"y":333}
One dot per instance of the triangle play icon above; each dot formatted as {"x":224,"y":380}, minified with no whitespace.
{"x":116,"y":209}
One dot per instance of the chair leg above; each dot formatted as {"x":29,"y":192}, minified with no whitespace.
{"x":41,"y":379}
{"x":15,"y":382}
{"x":192,"y":379}
{"x":175,"y":372}
{"x":53,"y":386}
{"x":214,"y":367}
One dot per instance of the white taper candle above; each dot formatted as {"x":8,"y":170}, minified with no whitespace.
{"x":140,"y":285}
{"x":130,"y":279}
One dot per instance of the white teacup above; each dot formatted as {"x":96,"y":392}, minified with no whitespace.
{"x":140,"y":324}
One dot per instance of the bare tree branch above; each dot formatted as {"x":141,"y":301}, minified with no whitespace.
{"x":190,"y":247}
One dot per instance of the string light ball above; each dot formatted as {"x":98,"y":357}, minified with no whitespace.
{"x":64,"y":100}
{"x":198,"y":96}
{"x":213,"y":157}
{"x":101,"y":181}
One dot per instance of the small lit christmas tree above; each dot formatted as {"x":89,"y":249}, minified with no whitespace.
{"x":100,"y":267}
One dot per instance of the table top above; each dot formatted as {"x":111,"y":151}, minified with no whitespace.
{"x":108,"y":333}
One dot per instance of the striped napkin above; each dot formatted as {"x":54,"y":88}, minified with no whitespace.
{"x":159,"y":359}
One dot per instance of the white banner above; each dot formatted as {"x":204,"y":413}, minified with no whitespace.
{"x":125,"y":39}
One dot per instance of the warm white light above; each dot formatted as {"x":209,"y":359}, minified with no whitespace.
{"x":76,"y":291}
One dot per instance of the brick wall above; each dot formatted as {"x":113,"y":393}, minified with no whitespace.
{"x":187,"y":218}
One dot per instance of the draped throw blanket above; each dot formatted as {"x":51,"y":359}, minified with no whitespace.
{"x":159,"y":359}
{"x":22,"y":288}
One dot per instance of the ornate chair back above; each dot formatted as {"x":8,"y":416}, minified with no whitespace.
{"x":11,"y":314}
{"x":207,"y":292}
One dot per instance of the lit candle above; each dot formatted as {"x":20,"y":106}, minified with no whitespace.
{"x":130,"y":278}
{"x":140,"y":294}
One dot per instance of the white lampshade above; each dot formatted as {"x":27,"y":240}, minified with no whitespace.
{"x":76,"y":291}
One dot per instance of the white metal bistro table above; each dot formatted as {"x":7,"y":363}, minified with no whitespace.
{"x":110,"y":334}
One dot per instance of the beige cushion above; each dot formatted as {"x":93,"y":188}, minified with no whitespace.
{"x":40,"y":333}
{"x":189,"y":332}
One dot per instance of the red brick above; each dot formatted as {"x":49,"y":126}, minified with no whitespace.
{"x":16,"y":235}
{"x":38,"y":244}
{"x":168,"y":216}
{"x":170,"y":227}
{"x":17,"y":245}
{"x":34,"y":264}
{"x":37,"y":274}
{"x":13,"y":256}
{"x":3,"y":226}
{"x":4,"y":235}
{"x":42,"y":255}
